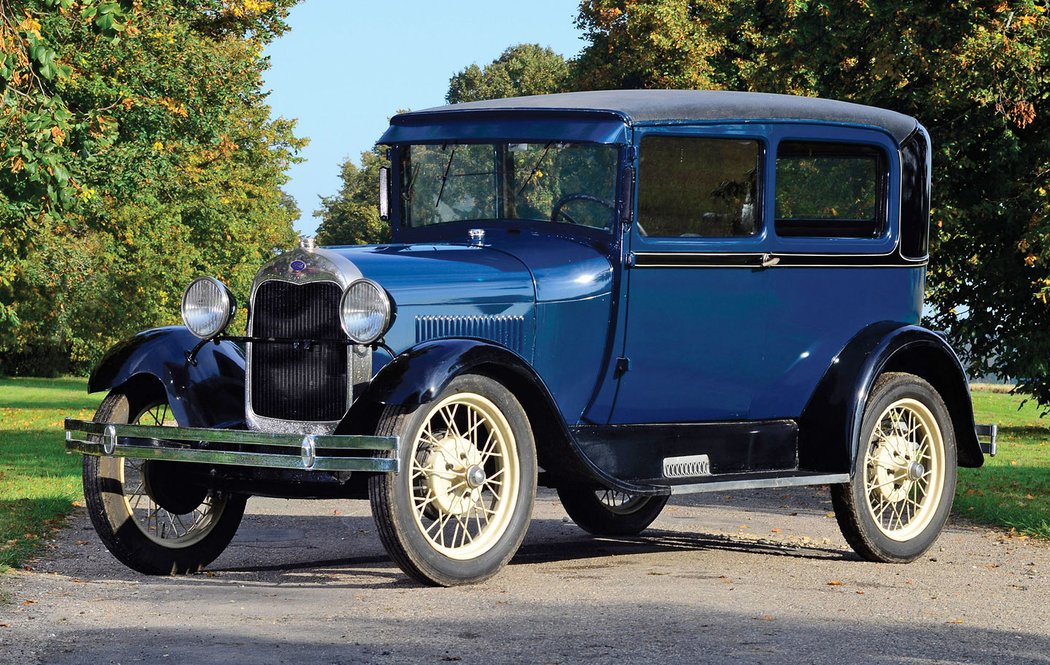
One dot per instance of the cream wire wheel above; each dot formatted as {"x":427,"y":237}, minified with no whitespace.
{"x":168,"y":528}
{"x":904,"y":469}
{"x":145,"y":512}
{"x":459,"y":506}
{"x":903,"y":480}
{"x":464,"y":475}
{"x":619,"y":503}
{"x":609,"y":512}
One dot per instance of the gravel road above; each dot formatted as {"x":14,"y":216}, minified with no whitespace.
{"x":741,"y":578}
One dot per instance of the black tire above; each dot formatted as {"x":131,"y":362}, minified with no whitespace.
{"x":605,"y":512}
{"x":905,"y":473}
{"x":451,"y":488}
{"x":133,"y":526}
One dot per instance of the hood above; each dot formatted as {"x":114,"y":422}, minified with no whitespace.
{"x":509,"y":267}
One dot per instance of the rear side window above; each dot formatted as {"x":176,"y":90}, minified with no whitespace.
{"x":698,"y":187}
{"x":829,"y":190}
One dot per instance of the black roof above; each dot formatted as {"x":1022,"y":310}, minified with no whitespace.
{"x":639,"y":106}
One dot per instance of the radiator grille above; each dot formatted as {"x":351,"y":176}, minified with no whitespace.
{"x":505,"y":330}
{"x":289,"y":382}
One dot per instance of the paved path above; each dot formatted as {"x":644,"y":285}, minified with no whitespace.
{"x":747,"y":578}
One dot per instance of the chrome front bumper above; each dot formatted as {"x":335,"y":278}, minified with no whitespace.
{"x":314,"y":452}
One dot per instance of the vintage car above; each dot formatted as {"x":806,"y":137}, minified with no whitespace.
{"x":622,"y":295}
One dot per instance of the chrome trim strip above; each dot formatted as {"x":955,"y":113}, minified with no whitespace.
{"x":760,"y":483}
{"x":178,"y":444}
{"x":759,"y":260}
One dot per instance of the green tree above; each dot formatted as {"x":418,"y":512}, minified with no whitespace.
{"x":136,"y":151}
{"x":976,"y":74}
{"x":351,"y":217}
{"x":524,"y":69}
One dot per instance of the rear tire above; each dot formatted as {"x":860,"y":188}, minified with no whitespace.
{"x":606,"y":512}
{"x":905,"y":473}
{"x":127,"y":512}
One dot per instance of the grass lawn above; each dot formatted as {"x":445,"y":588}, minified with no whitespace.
{"x":38,"y":481}
{"x":1012,"y":489}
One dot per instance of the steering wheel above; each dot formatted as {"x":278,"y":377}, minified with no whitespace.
{"x":578,"y":196}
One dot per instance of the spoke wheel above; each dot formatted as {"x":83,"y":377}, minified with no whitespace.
{"x":609,"y":512}
{"x":458,"y":509}
{"x":904,"y":475}
{"x":145,"y":514}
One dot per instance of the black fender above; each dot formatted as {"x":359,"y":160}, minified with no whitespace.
{"x":419,"y":374}
{"x":829,"y":427}
{"x":206,"y":393}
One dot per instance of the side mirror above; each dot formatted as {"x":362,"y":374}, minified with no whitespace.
{"x":384,"y":193}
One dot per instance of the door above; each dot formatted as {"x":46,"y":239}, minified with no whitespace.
{"x":697,"y":297}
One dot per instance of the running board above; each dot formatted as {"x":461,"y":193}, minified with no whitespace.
{"x":760,"y":483}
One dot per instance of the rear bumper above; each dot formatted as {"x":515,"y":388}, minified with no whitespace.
{"x":986,"y":437}
{"x":314,"y":452}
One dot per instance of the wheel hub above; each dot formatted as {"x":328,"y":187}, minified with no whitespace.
{"x":455,"y":475}
{"x":895,"y":468}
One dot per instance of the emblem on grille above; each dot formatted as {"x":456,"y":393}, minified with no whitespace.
{"x":298,"y":266}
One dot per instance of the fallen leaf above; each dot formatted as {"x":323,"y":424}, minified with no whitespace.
{"x":774,"y":530}
{"x":81,"y":542}
{"x":209,"y":573}
{"x":834,"y":583}
{"x":744,"y":526}
{"x":28,"y":602}
{"x":765,"y":617}
{"x":860,"y":593}
{"x":955,"y":621}
{"x":829,"y":514}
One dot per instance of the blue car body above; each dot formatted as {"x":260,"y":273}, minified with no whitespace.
{"x":626,"y":348}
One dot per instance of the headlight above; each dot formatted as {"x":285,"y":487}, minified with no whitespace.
{"x":365,"y":311}
{"x":207,"y":307}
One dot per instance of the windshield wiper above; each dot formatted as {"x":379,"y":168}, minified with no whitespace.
{"x":535,"y":168}
{"x":444,"y":177}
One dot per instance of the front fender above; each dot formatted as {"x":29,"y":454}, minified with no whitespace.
{"x":829,"y":428}
{"x":207,"y":393}
{"x":419,"y":374}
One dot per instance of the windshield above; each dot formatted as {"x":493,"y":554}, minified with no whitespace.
{"x":572,"y":183}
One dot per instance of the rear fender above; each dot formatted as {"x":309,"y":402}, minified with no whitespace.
{"x":206,"y":393}
{"x":829,"y":428}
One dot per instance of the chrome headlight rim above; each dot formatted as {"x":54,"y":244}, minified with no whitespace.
{"x":386,"y":310}
{"x":228,"y":308}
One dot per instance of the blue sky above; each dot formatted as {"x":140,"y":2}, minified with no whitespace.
{"x":346,"y":67}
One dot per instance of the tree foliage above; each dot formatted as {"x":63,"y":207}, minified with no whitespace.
{"x":524,"y":69}
{"x":136,"y":152}
{"x":976,"y":74}
{"x":351,"y":217}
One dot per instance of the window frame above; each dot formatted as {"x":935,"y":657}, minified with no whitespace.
{"x":814,"y":227}
{"x":759,"y":190}
{"x":706,"y":244}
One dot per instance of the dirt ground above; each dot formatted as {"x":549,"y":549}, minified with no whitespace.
{"x":742,"y":578}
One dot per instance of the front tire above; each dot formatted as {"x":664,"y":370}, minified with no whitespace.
{"x":124,"y":499}
{"x":606,"y":512}
{"x":905,"y":473}
{"x":459,"y":507}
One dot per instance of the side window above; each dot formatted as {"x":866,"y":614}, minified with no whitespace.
{"x":829,"y":190}
{"x":698,"y":187}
